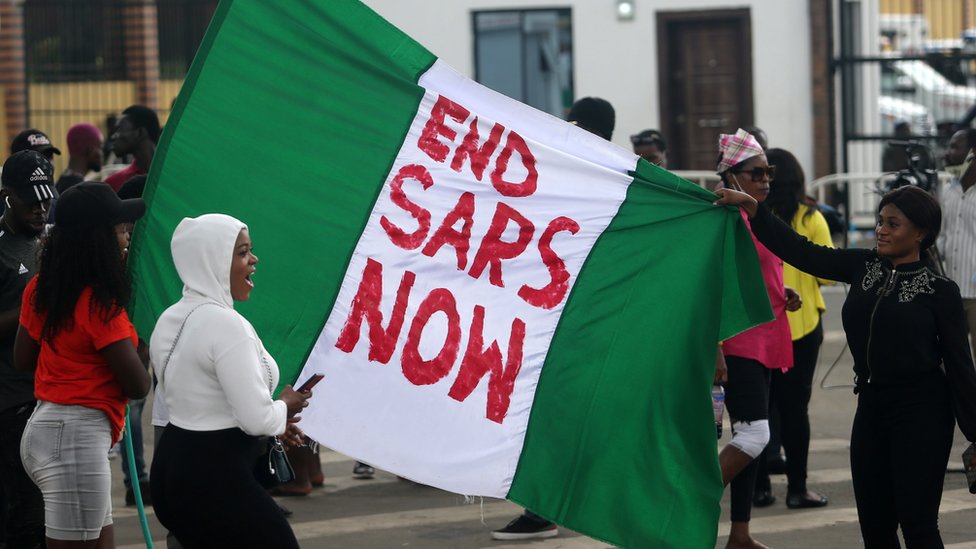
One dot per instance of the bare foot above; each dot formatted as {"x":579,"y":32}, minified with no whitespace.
{"x":747,"y":543}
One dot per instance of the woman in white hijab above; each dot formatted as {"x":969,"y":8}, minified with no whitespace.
{"x":216,"y":379}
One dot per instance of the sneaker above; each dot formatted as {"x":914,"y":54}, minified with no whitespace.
{"x":361,"y":470}
{"x":525,"y":527}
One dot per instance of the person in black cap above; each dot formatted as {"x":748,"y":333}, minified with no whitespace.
{"x":34,"y":140}
{"x":75,"y":335}
{"x":651,"y":146}
{"x":28,"y":188}
{"x":20,"y":225}
{"x":594,"y":115}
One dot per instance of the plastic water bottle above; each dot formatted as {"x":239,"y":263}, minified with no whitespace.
{"x":718,"y":406}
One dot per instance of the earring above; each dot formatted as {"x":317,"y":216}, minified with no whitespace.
{"x":6,"y":200}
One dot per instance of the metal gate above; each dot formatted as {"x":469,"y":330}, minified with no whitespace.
{"x":80,"y":65}
{"x":906,"y":71}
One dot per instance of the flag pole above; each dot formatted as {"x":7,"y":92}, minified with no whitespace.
{"x":136,"y":488}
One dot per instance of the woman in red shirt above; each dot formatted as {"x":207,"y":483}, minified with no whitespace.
{"x":76,"y":336}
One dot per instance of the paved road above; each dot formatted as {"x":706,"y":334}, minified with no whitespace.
{"x":389,"y":513}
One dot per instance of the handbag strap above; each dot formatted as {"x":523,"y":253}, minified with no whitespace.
{"x":264,"y":360}
{"x":175,"y":341}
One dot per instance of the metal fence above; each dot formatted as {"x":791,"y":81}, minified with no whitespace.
{"x":906,"y":75}
{"x":79,"y":66}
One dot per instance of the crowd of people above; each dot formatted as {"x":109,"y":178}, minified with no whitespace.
{"x":73,"y":370}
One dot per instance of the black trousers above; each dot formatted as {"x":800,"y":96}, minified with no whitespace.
{"x":789,"y":399}
{"x":900,"y":446}
{"x":25,"y":504}
{"x":747,"y":399}
{"x":204,"y":491}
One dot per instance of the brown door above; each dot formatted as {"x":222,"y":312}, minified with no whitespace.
{"x":705,"y":75}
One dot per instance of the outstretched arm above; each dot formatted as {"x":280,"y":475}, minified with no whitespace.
{"x":782,"y":240}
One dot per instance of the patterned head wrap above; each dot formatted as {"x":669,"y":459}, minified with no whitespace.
{"x":736,"y":148}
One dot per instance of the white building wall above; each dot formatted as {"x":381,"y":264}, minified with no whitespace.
{"x":617,"y":60}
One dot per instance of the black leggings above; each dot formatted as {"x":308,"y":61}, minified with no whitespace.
{"x":900,"y":446}
{"x":204,"y":491}
{"x":789,"y":397}
{"x":747,"y":399}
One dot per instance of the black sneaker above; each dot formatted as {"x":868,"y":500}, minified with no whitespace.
{"x":525,"y":527}
{"x":361,"y":470}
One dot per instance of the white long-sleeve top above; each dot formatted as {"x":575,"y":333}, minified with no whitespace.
{"x":957,"y":241}
{"x":219,"y":376}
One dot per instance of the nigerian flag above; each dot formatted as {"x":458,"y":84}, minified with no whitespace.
{"x":502,"y":303}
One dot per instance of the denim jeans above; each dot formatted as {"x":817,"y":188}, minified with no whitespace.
{"x":65,"y":452}
{"x":135,"y":420}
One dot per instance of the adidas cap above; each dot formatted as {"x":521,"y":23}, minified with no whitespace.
{"x":30,"y":176}
{"x":92,"y":204}
{"x":33,"y":140}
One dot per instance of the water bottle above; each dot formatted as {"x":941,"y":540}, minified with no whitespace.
{"x":718,"y":406}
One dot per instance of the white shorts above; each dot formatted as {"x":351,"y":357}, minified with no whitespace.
{"x":65,"y":452}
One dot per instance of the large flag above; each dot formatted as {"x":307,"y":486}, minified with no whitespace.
{"x":502,"y":303}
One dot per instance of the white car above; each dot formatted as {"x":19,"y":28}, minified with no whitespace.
{"x":917,"y":81}
{"x":893,"y":110}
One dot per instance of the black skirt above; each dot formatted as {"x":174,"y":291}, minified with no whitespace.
{"x":204,"y":491}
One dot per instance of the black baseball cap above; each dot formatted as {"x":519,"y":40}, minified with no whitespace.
{"x":649,"y":137}
{"x":93,"y":203}
{"x":33,"y":140}
{"x":29,"y":175}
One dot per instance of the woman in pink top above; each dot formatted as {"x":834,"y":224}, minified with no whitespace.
{"x":751,"y":355}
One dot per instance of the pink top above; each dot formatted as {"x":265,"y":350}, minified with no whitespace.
{"x":771,"y":343}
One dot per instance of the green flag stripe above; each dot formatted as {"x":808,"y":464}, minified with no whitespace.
{"x":588,"y":395}
{"x":357,"y":104}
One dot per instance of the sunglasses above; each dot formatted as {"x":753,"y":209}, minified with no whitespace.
{"x":758,"y":173}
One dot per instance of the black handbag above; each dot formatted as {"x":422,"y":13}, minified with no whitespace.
{"x":272,"y":467}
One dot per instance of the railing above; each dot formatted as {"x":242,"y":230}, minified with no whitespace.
{"x":864,"y":191}
{"x":702,"y":178}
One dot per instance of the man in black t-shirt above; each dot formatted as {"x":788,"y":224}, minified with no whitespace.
{"x":26,"y":189}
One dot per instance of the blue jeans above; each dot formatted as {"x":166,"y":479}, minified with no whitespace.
{"x":135,"y":420}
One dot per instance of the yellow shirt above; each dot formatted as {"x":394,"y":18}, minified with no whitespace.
{"x":814,"y":228}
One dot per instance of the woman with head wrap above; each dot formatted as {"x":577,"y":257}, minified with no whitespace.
{"x":216,"y":379}
{"x":751,"y":355}
{"x":913,"y":371}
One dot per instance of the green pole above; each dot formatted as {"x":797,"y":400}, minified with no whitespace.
{"x":133,"y":476}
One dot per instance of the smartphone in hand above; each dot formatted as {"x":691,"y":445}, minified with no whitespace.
{"x":310,"y":382}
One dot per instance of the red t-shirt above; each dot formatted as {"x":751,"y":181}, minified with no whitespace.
{"x":770,"y":343}
{"x":74,"y":372}
{"x":117,"y":179}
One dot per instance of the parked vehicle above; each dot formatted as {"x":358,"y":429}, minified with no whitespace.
{"x":918,"y":82}
{"x":893,"y":110}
